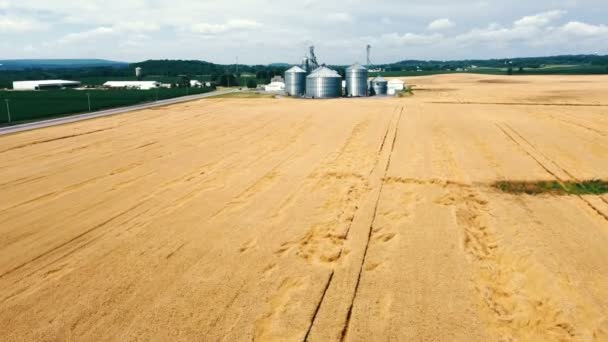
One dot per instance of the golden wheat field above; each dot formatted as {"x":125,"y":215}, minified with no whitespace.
{"x":322,"y":220}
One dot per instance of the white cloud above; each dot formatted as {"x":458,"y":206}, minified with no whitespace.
{"x":29,"y":48}
{"x":340,"y":17}
{"x":540,"y":19}
{"x":85,"y":36}
{"x":440,"y":24}
{"x":583,"y":29}
{"x":230,"y":25}
{"x":12,"y":24}
{"x":531,"y":29}
{"x":137,"y":26}
{"x":144,"y":29}
{"x":406,"y":39}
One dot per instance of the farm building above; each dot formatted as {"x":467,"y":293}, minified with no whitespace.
{"x":275,"y":86}
{"x":395,"y":86}
{"x":195,"y":83}
{"x":142,"y":85}
{"x":44,"y":84}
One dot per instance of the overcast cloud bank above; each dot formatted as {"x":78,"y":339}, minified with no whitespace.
{"x":265,"y":31}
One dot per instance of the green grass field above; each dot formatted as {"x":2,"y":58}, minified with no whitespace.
{"x":35,"y":105}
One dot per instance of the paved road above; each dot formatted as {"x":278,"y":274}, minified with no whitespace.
{"x":114,"y":111}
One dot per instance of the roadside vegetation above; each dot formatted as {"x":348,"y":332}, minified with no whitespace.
{"x":245,"y":95}
{"x":589,"y":187}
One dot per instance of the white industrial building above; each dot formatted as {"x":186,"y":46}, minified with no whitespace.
{"x":44,"y":84}
{"x":395,"y":86}
{"x":195,"y":83}
{"x":275,"y":86}
{"x":141,"y":85}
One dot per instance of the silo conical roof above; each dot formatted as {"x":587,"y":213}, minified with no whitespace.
{"x":296,"y":69}
{"x":356,"y":66}
{"x":379,"y":79}
{"x":323,"y":72}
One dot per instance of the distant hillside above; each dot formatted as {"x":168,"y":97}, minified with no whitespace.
{"x":49,"y":64}
{"x":525,"y":62}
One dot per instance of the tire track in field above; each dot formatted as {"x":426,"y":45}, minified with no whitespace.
{"x":37,"y":142}
{"x":346,"y":235}
{"x":506,"y":283}
{"x":268,"y":178}
{"x":73,"y":239}
{"x":548,"y":168}
{"x":576,"y":124}
{"x":370,"y":233}
{"x":324,"y":244}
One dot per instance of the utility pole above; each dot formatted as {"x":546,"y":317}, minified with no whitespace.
{"x":237,"y":71}
{"x":8,"y":111}
{"x":89,"y":101}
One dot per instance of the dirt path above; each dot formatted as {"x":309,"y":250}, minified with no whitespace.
{"x":277,"y":219}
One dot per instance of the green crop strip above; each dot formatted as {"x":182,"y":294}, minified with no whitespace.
{"x":588,"y":187}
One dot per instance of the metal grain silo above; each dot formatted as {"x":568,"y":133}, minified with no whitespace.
{"x":356,"y":80}
{"x":323,"y":83}
{"x":379,"y":86}
{"x":295,"y":81}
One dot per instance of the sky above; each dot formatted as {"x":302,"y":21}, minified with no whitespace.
{"x":269,"y":31}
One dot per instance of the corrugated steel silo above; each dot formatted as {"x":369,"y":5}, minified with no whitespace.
{"x":379,"y":85}
{"x":323,"y":83}
{"x":356,"y":80}
{"x":295,"y":81}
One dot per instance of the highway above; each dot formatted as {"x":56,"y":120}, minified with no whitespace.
{"x":114,"y":111}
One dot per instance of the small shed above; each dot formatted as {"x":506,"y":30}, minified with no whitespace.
{"x":395,"y":86}
{"x":275,"y":86}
